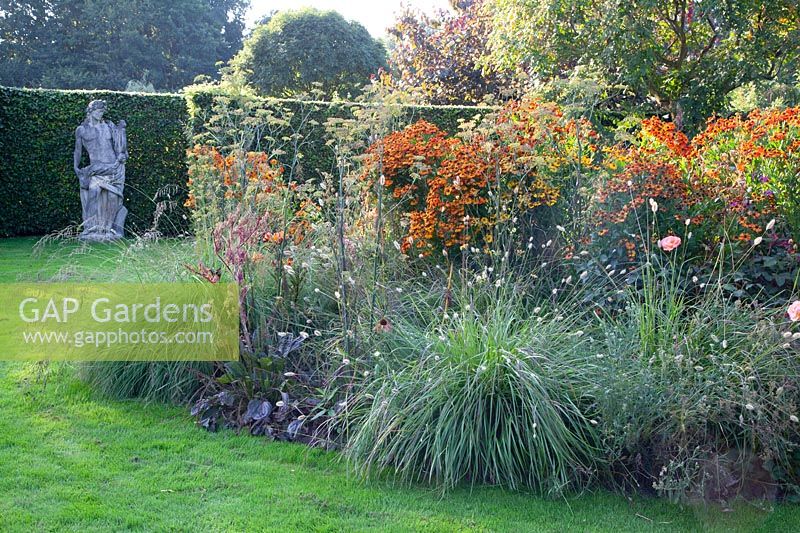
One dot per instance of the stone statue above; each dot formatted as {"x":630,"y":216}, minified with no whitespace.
{"x":103,"y":181}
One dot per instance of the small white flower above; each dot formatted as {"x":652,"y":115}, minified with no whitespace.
{"x":593,"y":422}
{"x":749,"y":406}
{"x":796,"y":336}
{"x":694,"y":279}
{"x":562,"y":229}
{"x":281,"y":334}
{"x":724,"y":343}
{"x":771,"y":224}
{"x":399,"y":289}
{"x":345,"y":361}
{"x":555,"y":291}
{"x":289,"y":374}
{"x":787,"y":334}
{"x":303,"y":334}
{"x":584,"y":275}
{"x":757,"y":240}
{"x":279,"y":403}
{"x":794,"y":419}
{"x":537,"y":310}
{"x":396,"y":244}
{"x":316,"y":290}
{"x":698,"y":368}
{"x":568,"y":280}
{"x":653,"y":205}
{"x":317,"y":333}
{"x":337,"y":294}
{"x":687,"y":221}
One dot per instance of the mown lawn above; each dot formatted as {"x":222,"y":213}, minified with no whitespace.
{"x":21,"y":260}
{"x":71,"y":460}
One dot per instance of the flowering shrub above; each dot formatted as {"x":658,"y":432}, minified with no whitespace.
{"x":455,"y":190}
{"x":726,"y":183}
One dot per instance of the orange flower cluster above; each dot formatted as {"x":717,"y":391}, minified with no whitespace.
{"x":230,"y":174}
{"x":734,"y":176}
{"x":453,"y":191}
{"x":251,"y":177}
{"x":445,"y":183}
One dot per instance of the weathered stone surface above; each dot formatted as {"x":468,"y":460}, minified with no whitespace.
{"x":102,"y":182}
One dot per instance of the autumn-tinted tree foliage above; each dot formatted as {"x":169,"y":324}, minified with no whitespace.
{"x":440,"y":55}
{"x":83,"y":44}
{"x":295,"y":49}
{"x":685,"y":56}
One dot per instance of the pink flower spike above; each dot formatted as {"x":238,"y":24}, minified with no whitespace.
{"x":794,"y":311}
{"x":669,"y":243}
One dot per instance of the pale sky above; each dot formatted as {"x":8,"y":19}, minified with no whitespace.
{"x":375,"y":15}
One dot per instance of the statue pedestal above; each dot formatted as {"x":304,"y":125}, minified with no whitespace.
{"x":99,"y":236}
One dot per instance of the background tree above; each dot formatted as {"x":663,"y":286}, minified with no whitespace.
{"x":296,"y":49}
{"x":684,"y":56}
{"x":440,"y":55}
{"x":88,"y":44}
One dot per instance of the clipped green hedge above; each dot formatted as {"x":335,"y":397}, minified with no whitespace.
{"x":39,"y":192}
{"x":317,"y":156}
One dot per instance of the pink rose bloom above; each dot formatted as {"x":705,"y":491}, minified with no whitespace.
{"x":669,"y":243}
{"x":794,"y":311}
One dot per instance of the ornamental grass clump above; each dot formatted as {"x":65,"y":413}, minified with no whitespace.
{"x":697,"y":395}
{"x":489,"y":399}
